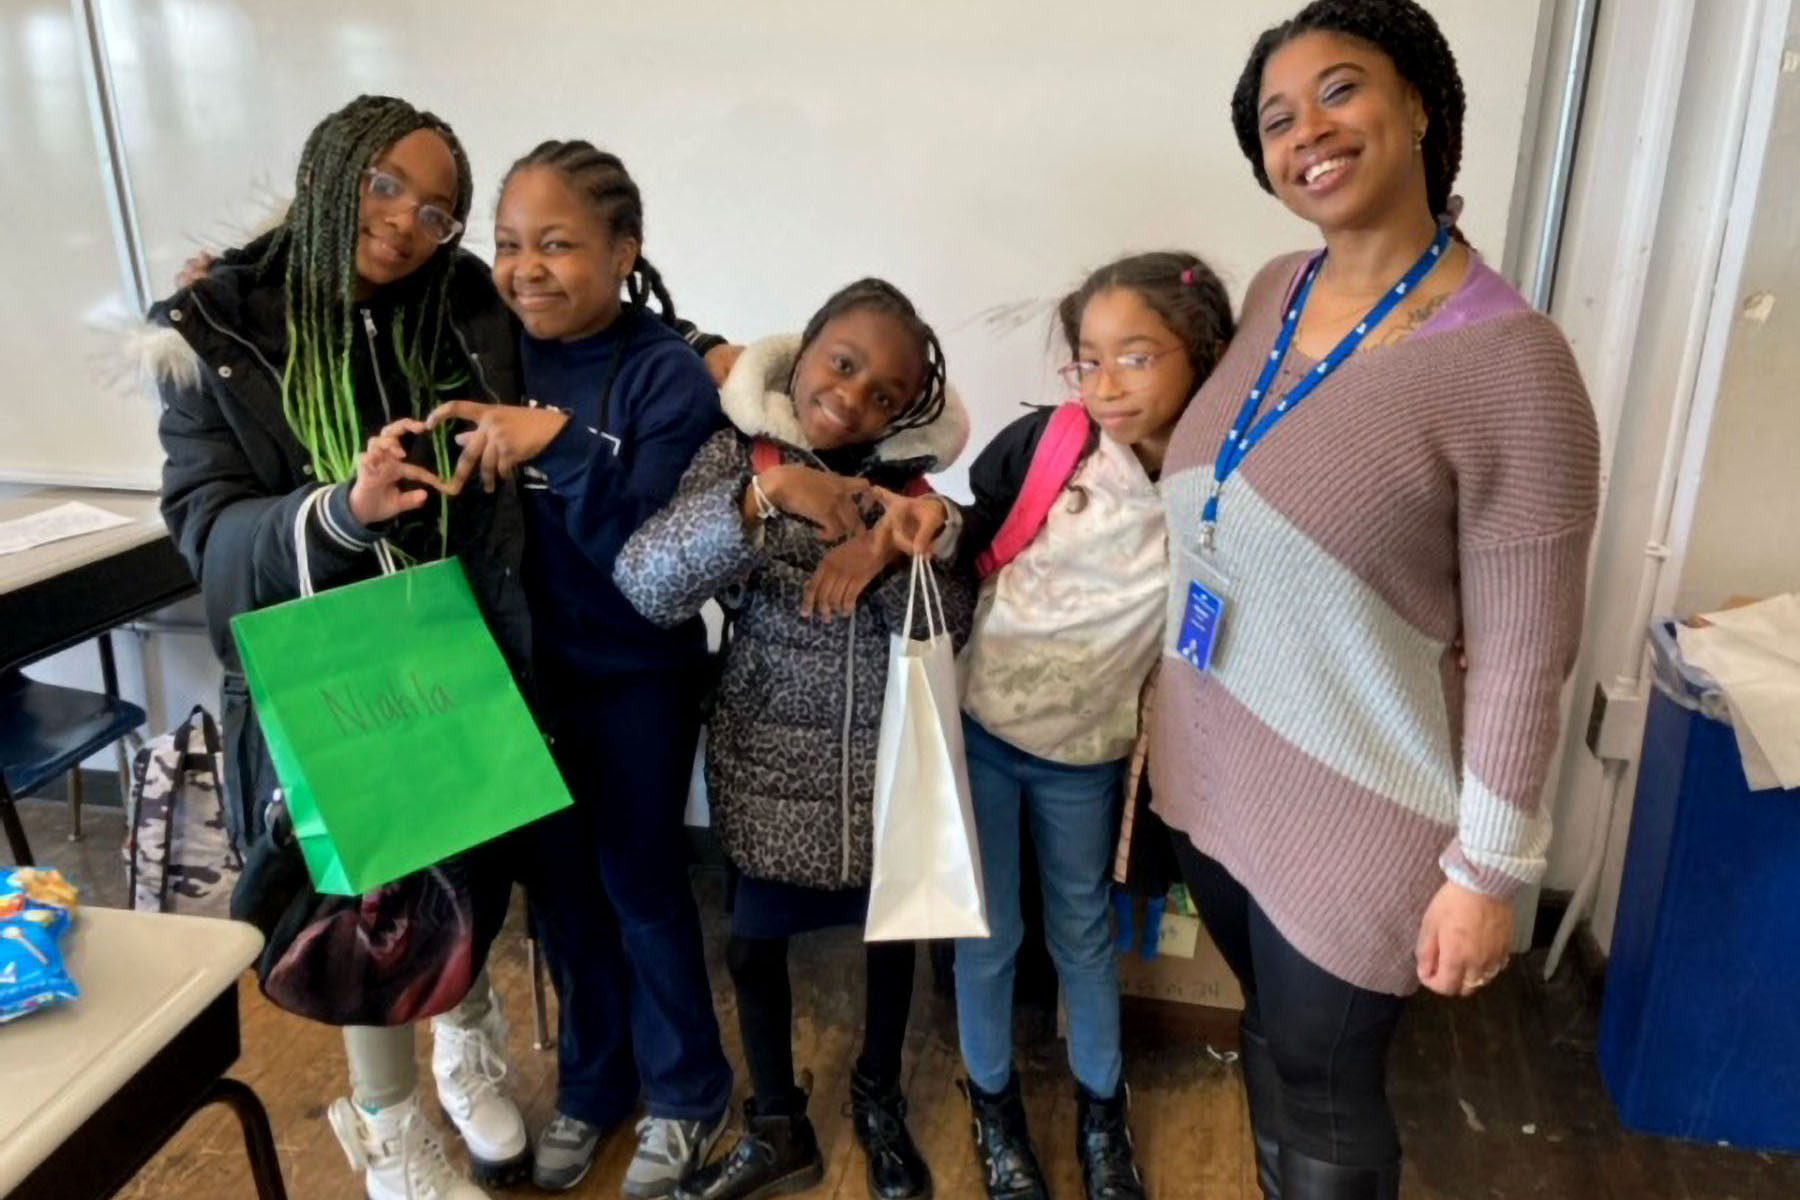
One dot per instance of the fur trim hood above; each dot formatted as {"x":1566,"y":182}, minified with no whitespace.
{"x":756,"y":400}
{"x":162,"y":356}
{"x":156,"y":346}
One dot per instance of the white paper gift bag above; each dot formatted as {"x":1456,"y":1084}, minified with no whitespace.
{"x":927,"y":873}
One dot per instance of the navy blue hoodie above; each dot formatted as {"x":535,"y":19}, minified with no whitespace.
{"x":604,"y":475}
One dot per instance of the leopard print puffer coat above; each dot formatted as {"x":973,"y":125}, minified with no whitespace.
{"x":791,"y":740}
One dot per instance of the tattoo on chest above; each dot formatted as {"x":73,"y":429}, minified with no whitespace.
{"x":1410,"y":321}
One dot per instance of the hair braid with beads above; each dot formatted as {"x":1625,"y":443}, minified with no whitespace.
{"x":878,"y":295}
{"x":319,"y":239}
{"x":602,"y":179}
{"x":1408,"y":35}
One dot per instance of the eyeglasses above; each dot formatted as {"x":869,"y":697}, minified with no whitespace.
{"x":433,"y":221}
{"x":1129,"y":370}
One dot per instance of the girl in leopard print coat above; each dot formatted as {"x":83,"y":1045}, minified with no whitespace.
{"x":818,"y":422}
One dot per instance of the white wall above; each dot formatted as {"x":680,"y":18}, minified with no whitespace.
{"x":981,"y":155}
{"x":1745,"y":537}
{"x":70,"y":411}
{"x":1671,"y":99}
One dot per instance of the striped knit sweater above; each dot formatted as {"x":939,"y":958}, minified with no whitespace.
{"x":1337,"y":759}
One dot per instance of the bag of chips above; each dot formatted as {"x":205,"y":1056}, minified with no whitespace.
{"x":35,"y":909}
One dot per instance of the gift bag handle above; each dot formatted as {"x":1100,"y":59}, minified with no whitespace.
{"x":384,"y":553}
{"x":935,"y":624}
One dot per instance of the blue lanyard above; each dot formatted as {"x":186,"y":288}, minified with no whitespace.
{"x":1247,"y":431}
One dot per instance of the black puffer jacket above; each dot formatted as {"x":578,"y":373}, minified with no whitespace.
{"x":790,"y":750}
{"x":235,"y":474}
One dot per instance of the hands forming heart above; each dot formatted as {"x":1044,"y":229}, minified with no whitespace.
{"x":389,"y":483}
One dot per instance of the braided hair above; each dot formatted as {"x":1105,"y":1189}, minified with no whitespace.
{"x":318,"y":239}
{"x":878,"y":295}
{"x":602,"y":179}
{"x":1178,"y":287}
{"x":1408,"y":35}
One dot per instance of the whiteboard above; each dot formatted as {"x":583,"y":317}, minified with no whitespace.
{"x":982,"y":155}
{"x":70,"y":410}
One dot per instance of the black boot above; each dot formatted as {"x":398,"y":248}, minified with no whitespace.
{"x":878,"y":1114}
{"x":776,"y":1156}
{"x":1262,"y":1088}
{"x":1009,"y":1166}
{"x":1305,"y":1178}
{"x":1103,"y":1147}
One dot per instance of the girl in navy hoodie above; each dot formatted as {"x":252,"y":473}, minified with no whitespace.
{"x":618,"y":404}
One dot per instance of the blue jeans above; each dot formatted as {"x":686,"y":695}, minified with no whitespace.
{"x":1074,"y":814}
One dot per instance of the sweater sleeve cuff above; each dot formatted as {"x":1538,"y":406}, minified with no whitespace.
{"x":340,"y":526}
{"x":564,"y":461}
{"x":1501,"y":848}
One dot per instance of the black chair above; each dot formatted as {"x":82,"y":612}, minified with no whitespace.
{"x":46,"y":731}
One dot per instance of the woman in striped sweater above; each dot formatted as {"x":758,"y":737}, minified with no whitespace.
{"x":1396,"y":455}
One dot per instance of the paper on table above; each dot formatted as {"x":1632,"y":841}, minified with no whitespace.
{"x":54,"y":524}
{"x":1754,"y":654}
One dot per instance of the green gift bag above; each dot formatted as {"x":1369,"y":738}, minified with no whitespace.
{"x":397,"y":731}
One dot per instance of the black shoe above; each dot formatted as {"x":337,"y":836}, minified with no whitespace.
{"x":1262,"y":1089}
{"x":1009,"y":1166}
{"x":1305,"y":1178}
{"x":776,"y":1156}
{"x":878,"y":1114}
{"x":1103,"y":1147}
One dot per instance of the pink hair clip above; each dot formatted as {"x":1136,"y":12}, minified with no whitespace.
{"x":1187,"y":277}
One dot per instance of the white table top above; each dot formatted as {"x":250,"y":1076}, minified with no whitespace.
{"x":143,"y":978}
{"x":42,"y":562}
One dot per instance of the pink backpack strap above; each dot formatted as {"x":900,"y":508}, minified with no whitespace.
{"x":1052,"y":465}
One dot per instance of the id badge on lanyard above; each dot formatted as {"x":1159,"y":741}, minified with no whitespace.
{"x":1206,"y":603}
{"x":1202,"y":621}
{"x":1206,"y":588}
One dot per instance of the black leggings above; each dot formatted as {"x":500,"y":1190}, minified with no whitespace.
{"x":1329,"y":1039}
{"x":759,"y":969}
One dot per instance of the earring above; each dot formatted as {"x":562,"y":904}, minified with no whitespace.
{"x":1419,"y":140}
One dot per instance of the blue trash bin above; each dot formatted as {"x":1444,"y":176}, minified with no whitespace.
{"x":1700,"y":1029}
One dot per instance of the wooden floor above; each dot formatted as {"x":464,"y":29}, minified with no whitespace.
{"x":1499,"y":1098}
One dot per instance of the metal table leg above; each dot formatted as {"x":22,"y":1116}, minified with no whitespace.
{"x":259,"y":1138}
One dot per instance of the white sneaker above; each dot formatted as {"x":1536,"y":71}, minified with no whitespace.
{"x":668,"y":1151}
{"x":470,"y":1064}
{"x":398,"y":1152}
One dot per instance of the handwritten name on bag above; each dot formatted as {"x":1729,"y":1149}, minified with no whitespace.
{"x":379,"y":710}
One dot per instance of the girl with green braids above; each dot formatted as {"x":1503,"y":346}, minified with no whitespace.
{"x":303,"y":363}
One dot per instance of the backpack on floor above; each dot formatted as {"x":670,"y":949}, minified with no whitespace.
{"x":1053,"y":464}
{"x":178,"y":850}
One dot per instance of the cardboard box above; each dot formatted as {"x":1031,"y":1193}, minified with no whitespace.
{"x":1185,"y":995}
{"x":1201,"y":978}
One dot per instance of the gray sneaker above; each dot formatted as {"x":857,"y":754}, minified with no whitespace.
{"x":668,"y":1151}
{"x":565,"y":1152}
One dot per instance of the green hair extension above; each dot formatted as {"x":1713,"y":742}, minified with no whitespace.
{"x":319,"y":237}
